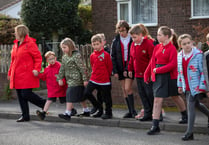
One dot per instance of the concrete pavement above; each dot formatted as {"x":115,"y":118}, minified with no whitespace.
{"x":11,"y":110}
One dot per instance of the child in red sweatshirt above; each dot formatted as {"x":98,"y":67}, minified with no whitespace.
{"x":140,"y":55}
{"x":100,"y":78}
{"x":53,"y":89}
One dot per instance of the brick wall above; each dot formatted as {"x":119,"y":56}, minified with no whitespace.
{"x":175,"y":14}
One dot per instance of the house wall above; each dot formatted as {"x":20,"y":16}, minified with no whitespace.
{"x":175,"y":14}
{"x":13,"y":11}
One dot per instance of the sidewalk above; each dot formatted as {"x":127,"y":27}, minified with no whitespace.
{"x":11,"y":110}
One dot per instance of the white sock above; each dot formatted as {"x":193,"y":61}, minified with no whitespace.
{"x":67,"y":112}
{"x":86,"y":109}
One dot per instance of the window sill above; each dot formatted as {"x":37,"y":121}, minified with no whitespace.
{"x":199,"y":17}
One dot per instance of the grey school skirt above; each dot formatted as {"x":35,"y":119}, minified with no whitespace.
{"x":75,"y":94}
{"x":164,"y":86}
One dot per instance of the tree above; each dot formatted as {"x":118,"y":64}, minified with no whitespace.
{"x":52,"y":18}
{"x":7,"y":25}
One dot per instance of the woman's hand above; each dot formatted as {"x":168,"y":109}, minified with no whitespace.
{"x":60,"y":82}
{"x":35,"y":73}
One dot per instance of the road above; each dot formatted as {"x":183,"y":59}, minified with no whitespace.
{"x":54,"y":133}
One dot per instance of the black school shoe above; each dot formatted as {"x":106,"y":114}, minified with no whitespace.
{"x":106,"y":116}
{"x":84,"y":114}
{"x":188,"y":136}
{"x":65,"y":116}
{"x":98,"y":114}
{"x":93,"y":110}
{"x":21,"y":119}
{"x":41,"y":114}
{"x":154,"y":130}
{"x":73,"y":112}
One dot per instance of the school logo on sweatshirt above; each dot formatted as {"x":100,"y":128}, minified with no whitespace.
{"x":101,"y":57}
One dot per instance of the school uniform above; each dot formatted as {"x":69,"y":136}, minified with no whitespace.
{"x":100,"y":80}
{"x":164,"y":58}
{"x":140,"y":56}
{"x":120,"y":55}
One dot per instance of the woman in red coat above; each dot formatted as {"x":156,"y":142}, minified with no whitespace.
{"x":25,"y":64}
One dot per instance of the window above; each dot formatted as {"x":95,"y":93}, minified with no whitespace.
{"x":199,"y":9}
{"x":138,"y":11}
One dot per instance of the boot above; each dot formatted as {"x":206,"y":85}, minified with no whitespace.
{"x":41,"y":114}
{"x":131,"y":104}
{"x":128,"y":114}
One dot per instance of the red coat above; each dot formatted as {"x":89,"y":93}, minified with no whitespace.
{"x":24,"y":59}
{"x":49,"y":75}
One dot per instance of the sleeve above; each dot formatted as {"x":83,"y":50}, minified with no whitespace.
{"x":81,"y":66}
{"x":109,"y":64}
{"x":147,"y":73}
{"x":37,"y":58}
{"x":61,"y":74}
{"x":179,"y":77}
{"x":171,"y":65}
{"x":11,"y":63}
{"x":202,"y":85}
{"x":42,"y":76}
{"x":114,"y":58}
{"x":130,"y":63}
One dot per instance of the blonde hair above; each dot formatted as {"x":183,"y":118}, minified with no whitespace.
{"x":183,"y":36}
{"x":70,"y":44}
{"x":22,"y":30}
{"x":102,"y":36}
{"x":207,"y":37}
{"x":96,"y":37}
{"x":136,"y":29}
{"x":49,"y":53}
{"x":166,"y":31}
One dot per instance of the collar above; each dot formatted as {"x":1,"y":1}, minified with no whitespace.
{"x":135,"y":44}
{"x":186,"y":56}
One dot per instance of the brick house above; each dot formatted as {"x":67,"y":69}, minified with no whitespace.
{"x":184,"y":16}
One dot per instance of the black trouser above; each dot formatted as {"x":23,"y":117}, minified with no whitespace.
{"x":25,"y":95}
{"x":146,"y":95}
{"x":105,"y":95}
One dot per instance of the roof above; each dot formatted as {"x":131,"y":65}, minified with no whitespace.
{"x":7,"y":3}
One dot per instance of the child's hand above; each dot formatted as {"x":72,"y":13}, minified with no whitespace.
{"x":207,"y":94}
{"x":125,"y":73}
{"x":130,"y":74}
{"x":60,"y":82}
{"x":154,"y":70}
{"x":116,"y":75}
{"x":180,"y":90}
{"x":85,"y":83}
{"x":8,"y":77}
{"x":35,"y":73}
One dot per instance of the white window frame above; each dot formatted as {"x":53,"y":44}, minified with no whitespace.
{"x":196,"y":17}
{"x":129,"y":2}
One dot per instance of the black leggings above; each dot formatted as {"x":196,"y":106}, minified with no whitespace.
{"x":25,"y":95}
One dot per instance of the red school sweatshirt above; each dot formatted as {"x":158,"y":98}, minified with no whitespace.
{"x":101,"y":65}
{"x":140,"y":56}
{"x":166,"y":55}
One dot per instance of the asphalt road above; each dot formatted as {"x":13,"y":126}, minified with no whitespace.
{"x":54,"y":133}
